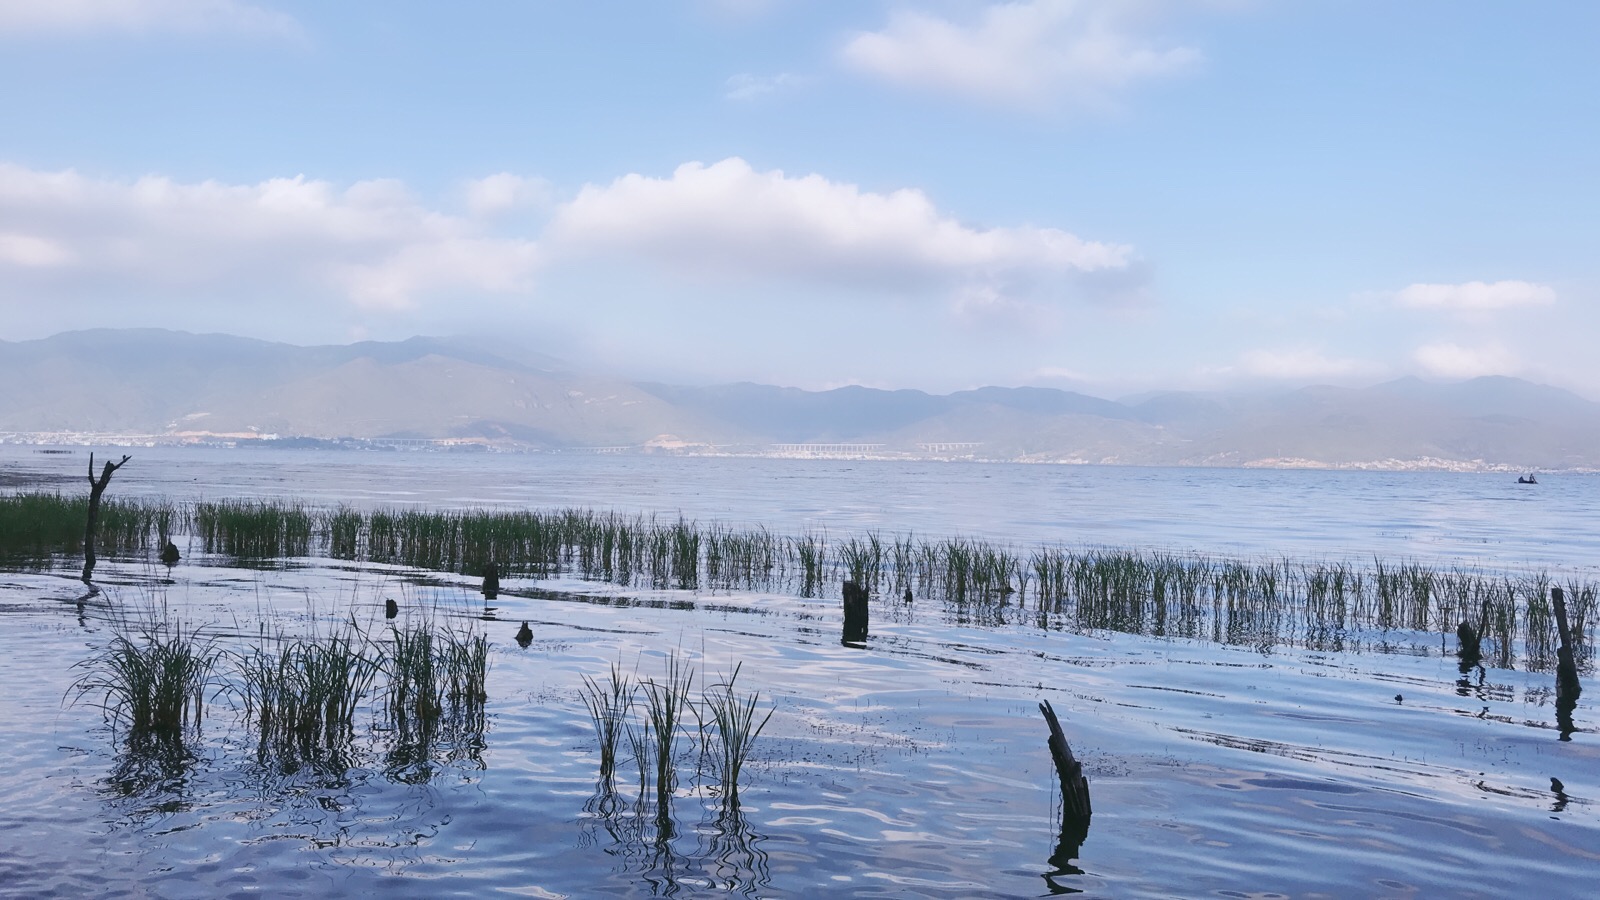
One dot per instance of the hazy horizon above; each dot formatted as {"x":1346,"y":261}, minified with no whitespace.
{"x":1106,"y":197}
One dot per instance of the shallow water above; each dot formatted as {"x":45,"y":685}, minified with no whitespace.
{"x":915,"y":766}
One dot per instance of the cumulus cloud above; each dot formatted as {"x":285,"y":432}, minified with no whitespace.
{"x":727,"y":219}
{"x":1450,"y":360}
{"x":142,"y":16}
{"x":1303,"y":363}
{"x":1475,"y":296}
{"x":64,"y":234}
{"x":1024,"y":53}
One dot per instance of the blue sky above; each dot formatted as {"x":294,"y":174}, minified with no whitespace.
{"x":1105,"y":195}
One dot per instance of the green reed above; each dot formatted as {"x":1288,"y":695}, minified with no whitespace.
{"x":150,"y":681}
{"x":253,"y":529}
{"x":665,"y":704}
{"x":734,"y":717}
{"x":1248,"y":602}
{"x":301,"y":695}
{"x":40,"y":525}
{"x":608,"y":709}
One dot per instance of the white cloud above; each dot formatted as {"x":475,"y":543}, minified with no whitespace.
{"x":142,"y":16}
{"x":29,"y":251}
{"x":1024,"y":53}
{"x":372,"y":243}
{"x":1449,"y":360}
{"x":745,"y":86}
{"x":1475,"y":296}
{"x":727,"y":219}
{"x":503,"y":192}
{"x":1304,"y":363}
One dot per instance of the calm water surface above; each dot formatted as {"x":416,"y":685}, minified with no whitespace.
{"x":913,"y":767}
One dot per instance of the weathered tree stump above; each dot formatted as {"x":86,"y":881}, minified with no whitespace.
{"x":1074,"y":785}
{"x":855,"y":613}
{"x":96,"y":488}
{"x":1469,"y":646}
{"x":491,"y":581}
{"x":1567,"y":686}
{"x":1075,"y":806}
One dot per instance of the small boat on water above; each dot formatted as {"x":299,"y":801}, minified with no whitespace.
{"x":1527,"y":479}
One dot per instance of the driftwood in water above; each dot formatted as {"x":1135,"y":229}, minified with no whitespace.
{"x":96,"y":488}
{"x":1567,"y":687}
{"x":855,"y":613}
{"x":491,"y":581}
{"x":1074,"y":786}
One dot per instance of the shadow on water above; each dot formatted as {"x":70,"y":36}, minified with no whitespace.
{"x":1062,"y":865}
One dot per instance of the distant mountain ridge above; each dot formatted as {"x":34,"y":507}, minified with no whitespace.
{"x":169,"y":385}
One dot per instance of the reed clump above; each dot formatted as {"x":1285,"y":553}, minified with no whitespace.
{"x":665,"y":703}
{"x":253,"y":529}
{"x":435,"y":696}
{"x":301,"y":694}
{"x":734,"y":717}
{"x":150,"y":681}
{"x":608,"y":706}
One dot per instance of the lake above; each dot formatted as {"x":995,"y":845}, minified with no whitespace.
{"x":911,"y":764}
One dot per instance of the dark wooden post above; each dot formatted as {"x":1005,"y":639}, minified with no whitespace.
{"x":491,"y":581}
{"x":855,"y":613}
{"x":1567,"y":687}
{"x":96,"y":488}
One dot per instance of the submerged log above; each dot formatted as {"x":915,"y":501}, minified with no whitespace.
{"x":855,"y":613}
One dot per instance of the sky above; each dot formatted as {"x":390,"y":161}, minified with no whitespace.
{"x":1110,"y":196}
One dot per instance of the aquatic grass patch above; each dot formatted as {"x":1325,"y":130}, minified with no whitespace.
{"x":150,"y":681}
{"x":435,"y":696}
{"x":252,"y":529}
{"x":301,"y":694}
{"x":665,"y":704}
{"x":39,"y":525}
{"x":608,"y":707}
{"x":734,"y":717}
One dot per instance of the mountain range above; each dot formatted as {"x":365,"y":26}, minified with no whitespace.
{"x":174,"y":386}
